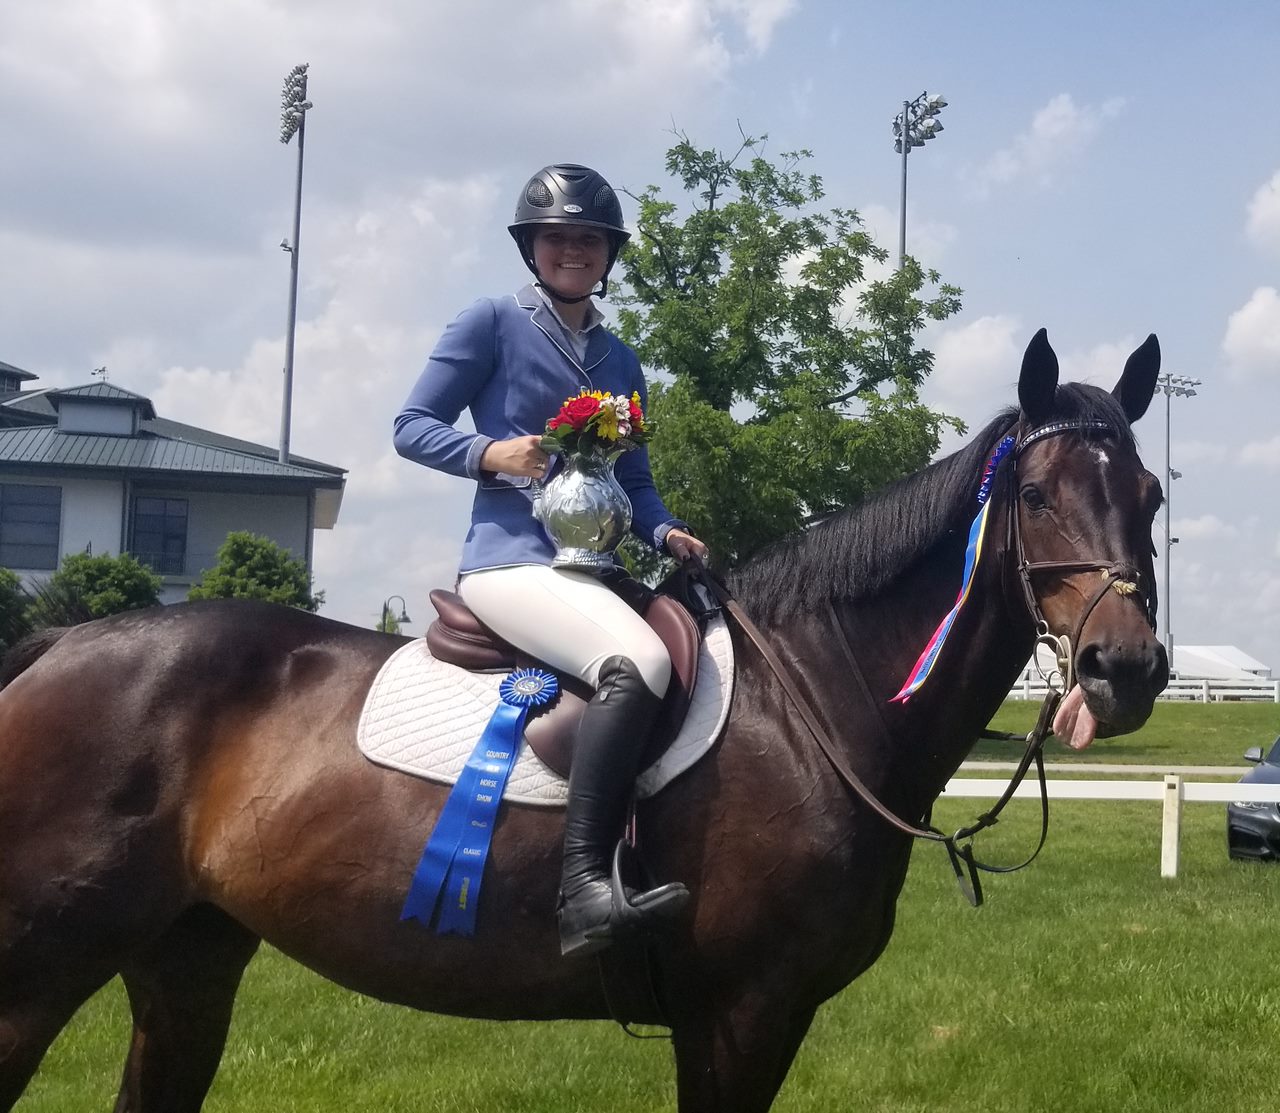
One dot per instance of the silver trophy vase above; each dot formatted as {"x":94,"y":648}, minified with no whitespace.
{"x":585,"y":512}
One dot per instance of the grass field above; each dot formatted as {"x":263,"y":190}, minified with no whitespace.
{"x":1084,"y":983}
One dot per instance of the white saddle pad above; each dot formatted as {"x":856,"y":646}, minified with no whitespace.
{"x":424,"y":717}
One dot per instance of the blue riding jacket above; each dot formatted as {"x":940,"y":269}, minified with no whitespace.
{"x":508,"y":362}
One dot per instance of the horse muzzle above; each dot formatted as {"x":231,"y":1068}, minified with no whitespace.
{"x":1121,"y":682}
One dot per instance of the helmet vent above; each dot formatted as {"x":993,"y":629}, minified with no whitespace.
{"x":604,"y":199}
{"x":539,"y":195}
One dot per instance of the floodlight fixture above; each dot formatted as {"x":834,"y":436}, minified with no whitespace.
{"x":1173,"y":386}
{"x":293,"y":121}
{"x":912,"y":127}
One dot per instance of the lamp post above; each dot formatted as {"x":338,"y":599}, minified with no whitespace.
{"x":402,"y":619}
{"x":913,"y":127}
{"x":1178,"y":386}
{"x":293,"y":120}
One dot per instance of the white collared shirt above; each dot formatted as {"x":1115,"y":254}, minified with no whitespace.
{"x":576,"y":338}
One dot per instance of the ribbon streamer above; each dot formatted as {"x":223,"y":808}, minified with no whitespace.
{"x":452,"y":863}
{"x":977,"y":534}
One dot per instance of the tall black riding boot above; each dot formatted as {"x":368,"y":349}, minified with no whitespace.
{"x":615,"y":727}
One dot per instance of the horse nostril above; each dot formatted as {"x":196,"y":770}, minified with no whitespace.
{"x":1089,"y":662}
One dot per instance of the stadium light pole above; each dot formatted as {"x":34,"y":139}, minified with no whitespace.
{"x":1174,"y":386}
{"x":293,"y":121}
{"x":402,"y":619}
{"x":913,"y":127}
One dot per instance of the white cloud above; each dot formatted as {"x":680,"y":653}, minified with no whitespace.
{"x":1264,"y":215}
{"x":928,"y":239}
{"x":359,"y":348}
{"x":758,"y":18}
{"x":1207,"y":527}
{"x":1252,"y":340}
{"x":975,"y":372}
{"x":1100,"y":365}
{"x":1192,"y":453}
{"x":977,"y":359}
{"x":1057,"y":134}
{"x":1262,"y":454}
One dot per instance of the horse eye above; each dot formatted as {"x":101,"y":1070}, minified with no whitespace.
{"x":1033,"y":498}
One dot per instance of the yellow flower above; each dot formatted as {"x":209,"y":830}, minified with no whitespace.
{"x":607,"y":423}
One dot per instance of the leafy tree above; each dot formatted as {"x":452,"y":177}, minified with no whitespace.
{"x":253,"y":567}
{"x":387,"y":623}
{"x":791,"y":384}
{"x":14,"y":624}
{"x":86,"y":587}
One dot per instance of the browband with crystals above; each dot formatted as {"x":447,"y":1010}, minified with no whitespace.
{"x":1056,"y":427}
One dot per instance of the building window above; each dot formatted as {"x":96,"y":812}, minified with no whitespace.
{"x":30,"y":519}
{"x":160,"y":534}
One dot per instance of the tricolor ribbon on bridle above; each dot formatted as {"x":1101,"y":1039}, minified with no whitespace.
{"x":977,"y":536}
{"x":452,"y":864}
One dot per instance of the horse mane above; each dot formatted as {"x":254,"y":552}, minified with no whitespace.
{"x":860,"y":550}
{"x":24,"y":653}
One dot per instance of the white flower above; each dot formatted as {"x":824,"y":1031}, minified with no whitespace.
{"x":624,"y":428}
{"x":622,"y":406}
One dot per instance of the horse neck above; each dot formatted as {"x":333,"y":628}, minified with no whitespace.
{"x":911,"y":749}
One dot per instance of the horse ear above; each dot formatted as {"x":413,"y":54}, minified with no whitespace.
{"x":1039,"y":379}
{"x":1137,"y":384}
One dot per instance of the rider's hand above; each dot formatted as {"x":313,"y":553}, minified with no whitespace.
{"x":682,"y":546}
{"x":517,"y":456}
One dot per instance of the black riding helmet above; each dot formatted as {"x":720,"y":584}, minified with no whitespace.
{"x":567,"y":193}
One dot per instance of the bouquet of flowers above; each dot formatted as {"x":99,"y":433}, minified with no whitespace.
{"x":598,"y":422}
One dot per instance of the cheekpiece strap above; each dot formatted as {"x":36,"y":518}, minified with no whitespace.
{"x":1056,"y":427}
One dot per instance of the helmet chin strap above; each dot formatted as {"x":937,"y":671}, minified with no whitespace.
{"x":565,"y":298}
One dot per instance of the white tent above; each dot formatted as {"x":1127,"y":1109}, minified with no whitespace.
{"x":1217,"y":662}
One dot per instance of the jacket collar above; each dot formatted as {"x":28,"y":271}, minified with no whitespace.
{"x":545,"y":318}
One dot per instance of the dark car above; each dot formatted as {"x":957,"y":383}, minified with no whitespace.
{"x":1253,"y":827}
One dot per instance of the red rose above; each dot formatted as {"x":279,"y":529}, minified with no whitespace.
{"x":580,"y":410}
{"x":557,"y":421}
{"x":637,"y":414}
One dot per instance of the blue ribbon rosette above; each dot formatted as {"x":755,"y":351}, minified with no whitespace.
{"x":452,"y":864}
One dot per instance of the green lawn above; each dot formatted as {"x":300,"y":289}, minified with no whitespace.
{"x":1176,"y":734}
{"x":1084,"y":983}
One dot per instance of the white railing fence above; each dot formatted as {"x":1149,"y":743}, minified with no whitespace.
{"x":1203,"y":691}
{"x":1174,"y":791}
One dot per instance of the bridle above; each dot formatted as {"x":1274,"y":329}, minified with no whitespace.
{"x":1124,"y":577}
{"x":959,"y":844}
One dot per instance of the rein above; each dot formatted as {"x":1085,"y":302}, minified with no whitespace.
{"x":961,"y":856}
{"x":959,"y":845}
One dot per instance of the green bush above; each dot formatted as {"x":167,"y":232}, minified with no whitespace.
{"x":86,"y":587}
{"x":253,"y":567}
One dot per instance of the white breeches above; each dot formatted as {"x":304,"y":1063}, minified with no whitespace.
{"x":568,"y":619}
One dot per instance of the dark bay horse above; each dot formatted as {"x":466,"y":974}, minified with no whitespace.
{"x":177,"y":784}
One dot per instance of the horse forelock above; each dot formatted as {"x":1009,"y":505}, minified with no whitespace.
{"x":1086,"y":403}
{"x":860,"y":550}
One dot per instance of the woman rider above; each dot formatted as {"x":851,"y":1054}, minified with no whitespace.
{"x":512,"y":361}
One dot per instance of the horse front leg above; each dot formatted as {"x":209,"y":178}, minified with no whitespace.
{"x":182,"y":989}
{"x":734,"y":1060}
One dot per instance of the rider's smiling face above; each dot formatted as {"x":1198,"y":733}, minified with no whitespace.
{"x":571,"y":259}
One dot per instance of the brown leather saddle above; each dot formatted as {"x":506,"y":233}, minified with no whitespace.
{"x":460,"y":638}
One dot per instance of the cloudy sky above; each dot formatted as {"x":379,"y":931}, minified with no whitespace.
{"x":1106,"y":170}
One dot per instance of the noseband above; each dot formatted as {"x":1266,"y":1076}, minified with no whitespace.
{"x":1120,"y":575}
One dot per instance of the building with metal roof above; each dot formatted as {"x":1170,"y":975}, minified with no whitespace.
{"x":93,"y":468}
